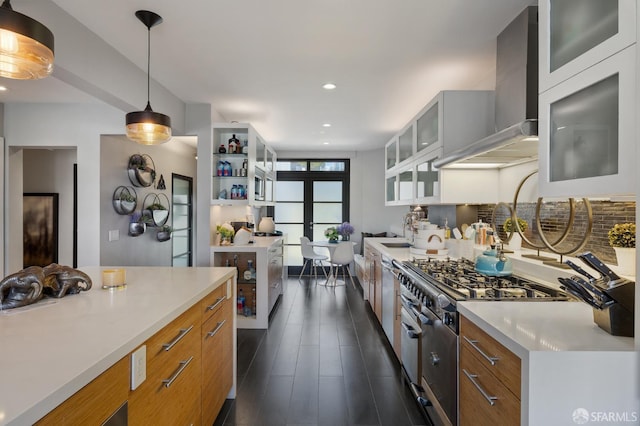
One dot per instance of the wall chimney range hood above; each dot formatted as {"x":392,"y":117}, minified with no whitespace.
{"x":516,"y":139}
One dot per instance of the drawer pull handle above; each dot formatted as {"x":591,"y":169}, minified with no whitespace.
{"x":492,"y":359}
{"x":215,"y":305}
{"x":183,"y":365}
{"x":215,"y":330}
{"x":490,"y":399}
{"x":183,"y":332}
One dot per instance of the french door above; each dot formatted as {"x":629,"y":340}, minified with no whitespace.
{"x":311,"y":196}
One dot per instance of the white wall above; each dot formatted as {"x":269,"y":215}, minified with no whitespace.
{"x":58,"y":126}
{"x":52,"y":171}
{"x":144,"y":250}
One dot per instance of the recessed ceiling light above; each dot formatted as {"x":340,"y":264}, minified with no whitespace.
{"x":326,"y":125}
{"x":329,"y":86}
{"x":325,"y":143}
{"x":3,"y":89}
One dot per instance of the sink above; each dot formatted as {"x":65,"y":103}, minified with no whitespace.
{"x":396,"y":245}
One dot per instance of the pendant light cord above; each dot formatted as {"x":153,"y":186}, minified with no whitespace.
{"x":148,"y":64}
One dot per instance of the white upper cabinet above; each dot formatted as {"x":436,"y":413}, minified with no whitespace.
{"x":587,"y":102}
{"x":577,"y":34}
{"x":451,"y":121}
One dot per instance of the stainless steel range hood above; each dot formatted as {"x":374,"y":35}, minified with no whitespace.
{"x":516,"y":139}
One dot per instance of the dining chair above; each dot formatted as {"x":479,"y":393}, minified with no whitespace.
{"x":341,"y":257}
{"x":309,"y":255}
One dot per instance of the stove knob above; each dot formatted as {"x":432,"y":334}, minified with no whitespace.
{"x":443,"y":301}
{"x":448,"y":318}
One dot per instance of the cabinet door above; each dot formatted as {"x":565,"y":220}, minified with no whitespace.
{"x":391,"y":156}
{"x":587,"y":131}
{"x":405,"y":187}
{"x":428,"y":178}
{"x":217,"y":361}
{"x":428,"y":128}
{"x":391,"y":190}
{"x":576,"y":34}
{"x":405,"y":144}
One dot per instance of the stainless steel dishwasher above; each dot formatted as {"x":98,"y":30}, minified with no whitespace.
{"x":388,"y":297}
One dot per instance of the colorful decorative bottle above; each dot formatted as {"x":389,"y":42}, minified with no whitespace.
{"x":234,"y":145}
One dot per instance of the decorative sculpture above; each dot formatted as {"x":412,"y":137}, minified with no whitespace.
{"x":33,"y":283}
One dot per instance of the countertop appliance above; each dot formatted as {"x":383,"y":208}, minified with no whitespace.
{"x":430,"y":290}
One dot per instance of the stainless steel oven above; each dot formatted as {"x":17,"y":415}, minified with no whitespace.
{"x":439,"y":370}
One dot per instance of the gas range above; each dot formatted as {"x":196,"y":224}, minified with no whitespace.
{"x":439,"y":284}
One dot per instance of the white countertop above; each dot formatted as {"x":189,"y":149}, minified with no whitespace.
{"x":260,"y":243}
{"x":52,"y":348}
{"x":525,"y":327}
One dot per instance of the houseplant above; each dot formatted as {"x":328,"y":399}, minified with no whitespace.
{"x":332,"y":234}
{"x":514,"y":238}
{"x":345,"y":230}
{"x":226,"y":233}
{"x":622,"y":237}
{"x":137,"y":225}
{"x":164,"y":233}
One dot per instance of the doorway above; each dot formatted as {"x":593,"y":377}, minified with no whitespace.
{"x":311,"y":196}
{"x":182,"y":220}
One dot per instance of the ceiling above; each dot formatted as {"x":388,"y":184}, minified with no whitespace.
{"x":265,"y":62}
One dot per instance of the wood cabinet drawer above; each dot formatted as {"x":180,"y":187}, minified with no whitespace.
{"x":484,"y":400}
{"x":217,"y":361}
{"x":500,"y":361}
{"x":213,"y":301}
{"x":167,"y":345}
{"x":172,"y":388}
{"x":94,"y":403}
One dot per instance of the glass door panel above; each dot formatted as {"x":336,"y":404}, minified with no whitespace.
{"x":260,"y":153}
{"x":391,"y":189}
{"x":181,"y":218}
{"x":583,"y":138}
{"x":427,"y":179}
{"x":405,"y":184}
{"x":579,"y":25}
{"x":405,"y":145}
{"x":392,"y":155}
{"x":428,"y":128}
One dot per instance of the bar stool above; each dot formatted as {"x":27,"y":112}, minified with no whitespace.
{"x":309,"y":254}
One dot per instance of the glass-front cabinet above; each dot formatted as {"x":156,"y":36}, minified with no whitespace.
{"x":405,"y":144}
{"x":427,"y":125}
{"x":577,"y":34}
{"x":587,"y":131}
{"x":427,"y":179}
{"x":391,"y":189}
{"x":240,"y":172}
{"x":391,"y":154}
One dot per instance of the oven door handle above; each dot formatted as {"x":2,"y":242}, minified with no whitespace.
{"x":424,"y":319}
{"x":410,"y":331}
{"x":407,"y":301}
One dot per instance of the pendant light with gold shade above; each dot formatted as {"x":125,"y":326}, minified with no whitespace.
{"x":148,"y":127}
{"x":26,"y":46}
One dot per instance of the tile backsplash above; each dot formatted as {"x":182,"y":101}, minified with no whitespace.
{"x":555,"y":215}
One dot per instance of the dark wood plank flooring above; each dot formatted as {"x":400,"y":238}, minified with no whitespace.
{"x":323,"y":361}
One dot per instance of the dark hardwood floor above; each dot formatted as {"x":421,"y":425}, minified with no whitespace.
{"x":323,"y":361}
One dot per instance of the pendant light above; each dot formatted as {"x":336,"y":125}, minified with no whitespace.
{"x":148,"y":127}
{"x":26,"y":46}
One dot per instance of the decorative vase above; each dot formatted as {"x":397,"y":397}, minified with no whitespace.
{"x":333,"y":240}
{"x":267,"y":225}
{"x":163,"y":236}
{"x":626,"y":257}
{"x":345,"y":237}
{"x":136,"y":229}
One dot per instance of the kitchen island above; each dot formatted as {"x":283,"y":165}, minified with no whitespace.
{"x":261,"y":287}
{"x":547,"y":362}
{"x":53,"y":348}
